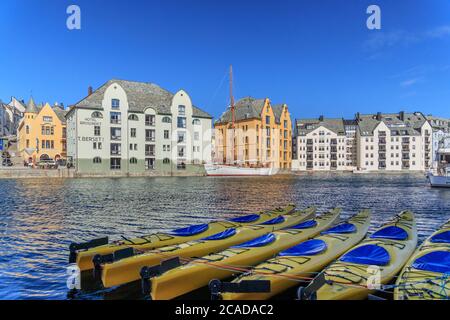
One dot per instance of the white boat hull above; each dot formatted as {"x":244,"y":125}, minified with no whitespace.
{"x":439,"y":181}
{"x":223,"y":170}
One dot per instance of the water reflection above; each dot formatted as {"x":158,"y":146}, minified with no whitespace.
{"x":39,"y":218}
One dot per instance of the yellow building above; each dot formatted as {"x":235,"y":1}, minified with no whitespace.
{"x":42,"y":133}
{"x":262,"y":135}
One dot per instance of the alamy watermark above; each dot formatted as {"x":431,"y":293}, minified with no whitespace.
{"x":374,"y":20}
{"x":74,"y":278}
{"x":73,"y":21}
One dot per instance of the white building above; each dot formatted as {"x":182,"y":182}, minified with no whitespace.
{"x":441,"y":131}
{"x":10,"y":117}
{"x":321,"y":144}
{"x":128,"y":127}
{"x":385,"y":142}
{"x":394,"y":142}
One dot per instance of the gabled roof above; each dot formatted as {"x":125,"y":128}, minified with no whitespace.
{"x":141,"y":95}
{"x":245,"y":108}
{"x":60,"y":113}
{"x":398,"y":123}
{"x":305,"y":126}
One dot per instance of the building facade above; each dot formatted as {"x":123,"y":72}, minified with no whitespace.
{"x":321,"y":144}
{"x":10,"y":116}
{"x":262,"y":135}
{"x":374,"y":142}
{"x":42,"y":133}
{"x":441,"y":133}
{"x":127,"y":127}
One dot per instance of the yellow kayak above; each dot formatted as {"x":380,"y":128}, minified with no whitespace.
{"x":305,"y":259}
{"x":199,"y":272}
{"x":83,"y":253}
{"x":425,"y":276}
{"x":128,"y":269}
{"x":372,"y":263}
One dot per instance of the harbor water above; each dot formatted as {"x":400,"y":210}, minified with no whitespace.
{"x":39,"y":218}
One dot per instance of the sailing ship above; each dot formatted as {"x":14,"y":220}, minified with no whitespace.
{"x":237,"y":168}
{"x":440,"y":176}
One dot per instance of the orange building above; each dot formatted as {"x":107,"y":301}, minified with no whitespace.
{"x":42,"y":133}
{"x":262,"y":135}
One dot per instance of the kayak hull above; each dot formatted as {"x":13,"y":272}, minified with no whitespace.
{"x":84,"y":258}
{"x":352,"y":281}
{"x":226,"y":263}
{"x":128,"y":270}
{"x":286,"y":271}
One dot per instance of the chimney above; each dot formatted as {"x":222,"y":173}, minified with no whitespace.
{"x":89,"y":91}
{"x":379,"y":116}
{"x":402,"y":115}
{"x":321,"y":118}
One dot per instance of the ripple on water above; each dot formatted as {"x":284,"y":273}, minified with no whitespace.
{"x":40,"y":217}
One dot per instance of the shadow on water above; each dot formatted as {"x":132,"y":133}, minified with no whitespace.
{"x":41,"y":217}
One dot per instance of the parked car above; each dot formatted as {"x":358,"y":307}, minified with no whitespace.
{"x":47,"y":164}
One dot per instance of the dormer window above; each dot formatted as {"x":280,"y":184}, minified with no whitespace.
{"x":97,"y":114}
{"x":115,"y":104}
{"x":181,"y":110}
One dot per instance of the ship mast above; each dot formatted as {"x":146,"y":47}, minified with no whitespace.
{"x":233,"y":118}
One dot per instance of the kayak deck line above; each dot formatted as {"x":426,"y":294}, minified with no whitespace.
{"x":128,"y":269}
{"x":305,"y":260}
{"x":349,"y":279}
{"x":222,"y":264}
{"x":83,"y":253}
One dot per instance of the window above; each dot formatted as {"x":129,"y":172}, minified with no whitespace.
{"x":133,"y":117}
{"x":166,"y":120}
{"x":28,"y":143}
{"x":116,"y":117}
{"x":27,"y":130}
{"x":97,"y":114}
{"x":181,"y":137}
{"x":96,"y":130}
{"x":116,"y":133}
{"x":196,"y":122}
{"x":115,"y":163}
{"x":115,"y":103}
{"x":99,"y":145}
{"x":285,"y":124}
{"x":197,"y":136}
{"x":181,"y":110}
{"x":166,"y":134}
{"x":181,"y":151}
{"x":150,"y":135}
{"x":149,"y":120}
{"x":47,"y":119}
{"x":181,"y":122}
{"x":133,"y":160}
{"x":166,"y":160}
{"x":267,"y":119}
{"x":149,"y":150}
{"x":94,"y":145}
{"x":115,"y":149}
{"x":133,"y":132}
{"x":97,"y":160}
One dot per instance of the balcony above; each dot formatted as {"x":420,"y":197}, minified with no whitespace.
{"x":149,"y":153}
{"x":309,"y":143}
{"x":150,"y":123}
{"x":116,"y":121}
{"x":150,"y":139}
{"x":405,"y":141}
{"x":382,"y":134}
{"x":405,"y":148}
{"x":333,"y":142}
{"x":116,"y":138}
{"x":382,"y":148}
{"x":116,"y":153}
{"x":382,"y":156}
{"x":309,"y":157}
{"x":382,"y":141}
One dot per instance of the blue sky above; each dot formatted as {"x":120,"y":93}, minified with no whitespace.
{"x":316,"y":56}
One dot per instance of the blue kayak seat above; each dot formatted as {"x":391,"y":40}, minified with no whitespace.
{"x":221,"y":235}
{"x":304,"y":225}
{"x":307,"y":248}
{"x":341,"y":229}
{"x":443,"y":237}
{"x":244,"y":219}
{"x":391,"y":233}
{"x":189,"y":231}
{"x":369,"y":254}
{"x":436,"y":261}
{"x":257,"y":242}
{"x":276,"y":220}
